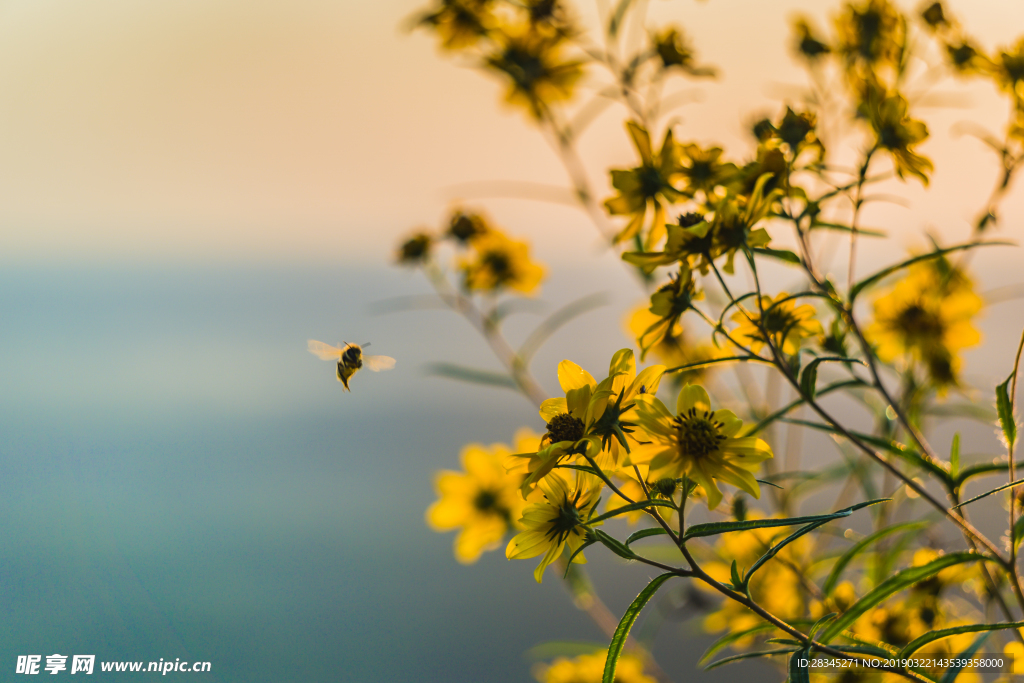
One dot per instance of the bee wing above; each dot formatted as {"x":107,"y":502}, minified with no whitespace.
{"x":378,"y":363}
{"x":324,"y":351}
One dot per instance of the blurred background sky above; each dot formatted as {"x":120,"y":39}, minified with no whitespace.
{"x":189,"y":191}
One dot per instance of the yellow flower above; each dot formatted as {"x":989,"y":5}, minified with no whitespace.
{"x":590,"y":669}
{"x":530,"y":60}
{"x":786,"y":323}
{"x":926,"y":317}
{"x":689,"y":241}
{"x":700,"y":444}
{"x":483,"y":501}
{"x":459,"y":23}
{"x":775,"y":586}
{"x":497,"y":263}
{"x":556,"y":522}
{"x":668,"y":304}
{"x":1015,"y":651}
{"x":647,"y":185}
{"x":591,"y":417}
{"x":674,"y":348}
{"x":807,"y":43}
{"x":870,"y":37}
{"x":896,"y":133}
{"x":465,"y":226}
{"x":703,"y":171}
{"x":415,"y":249}
{"x":676,"y":51}
{"x":735,"y":218}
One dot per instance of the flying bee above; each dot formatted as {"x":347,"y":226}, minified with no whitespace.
{"x":350,"y":359}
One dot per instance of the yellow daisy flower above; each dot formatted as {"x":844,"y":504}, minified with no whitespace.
{"x":482,"y":501}
{"x":926,"y":317}
{"x":896,"y":133}
{"x":497,"y":262}
{"x":557,"y":522}
{"x":590,"y":669}
{"x":459,"y":23}
{"x":674,"y":348}
{"x":647,"y":185}
{"x":700,"y":444}
{"x":787,"y":324}
{"x":531,"y":61}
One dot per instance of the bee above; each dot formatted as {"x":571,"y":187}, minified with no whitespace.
{"x":350,"y":359}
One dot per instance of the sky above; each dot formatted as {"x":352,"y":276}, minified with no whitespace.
{"x":222,"y":130}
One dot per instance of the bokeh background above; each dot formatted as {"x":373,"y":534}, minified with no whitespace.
{"x":188,"y":191}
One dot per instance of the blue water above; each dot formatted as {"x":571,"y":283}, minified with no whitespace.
{"x":181,"y":479}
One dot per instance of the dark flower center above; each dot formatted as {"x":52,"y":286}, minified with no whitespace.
{"x":778,"y":321}
{"x":918,"y":323}
{"x":565,"y":427}
{"x":485,"y":501}
{"x":566,"y":519}
{"x":651,"y":182}
{"x":699,"y":434}
{"x":499,"y":264}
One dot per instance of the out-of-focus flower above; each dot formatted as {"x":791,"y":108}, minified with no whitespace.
{"x":700,"y":444}
{"x":648,"y":185}
{"x":590,"y":669}
{"x":482,"y":501}
{"x":496,"y":263}
{"x":871,"y":38}
{"x":459,"y":23}
{"x":532,"y":63}
{"x":735,"y":218}
{"x":897,"y":133}
{"x":1009,"y":71}
{"x":556,"y":522}
{"x":786,"y":324}
{"x":807,"y":43}
{"x":703,"y":170}
{"x":415,"y":250}
{"x":668,"y":304}
{"x":689,"y":241}
{"x":465,"y":226}
{"x":676,"y":52}
{"x":926,"y":317}
{"x":675,"y":348}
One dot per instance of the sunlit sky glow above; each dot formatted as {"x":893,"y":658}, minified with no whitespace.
{"x":206,"y":130}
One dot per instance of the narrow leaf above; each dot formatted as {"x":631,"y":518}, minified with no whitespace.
{"x":954,"y":457}
{"x":748,"y":655}
{"x":809,"y":379}
{"x":894,"y":584}
{"x":642,"y":505}
{"x":774,"y":550}
{"x":780,"y":254}
{"x":962,"y":659}
{"x":799,"y":402}
{"x":586,"y":544}
{"x":617,"y":17}
{"x":916,"y":644}
{"x":821,"y":622}
{"x":614,"y":545}
{"x":645,"y":533}
{"x":715,"y":361}
{"x":730,"y":638}
{"x":626,"y":623}
{"x":989,"y":493}
{"x":1006,"y":418}
{"x":872,"y":279}
{"x":860,"y":546}
{"x":737,"y":582}
{"x":715,"y":528}
{"x":866,"y":232}
{"x":798,"y":672}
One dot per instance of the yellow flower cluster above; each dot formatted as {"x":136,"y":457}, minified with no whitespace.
{"x":490,"y":261}
{"x":590,"y":669}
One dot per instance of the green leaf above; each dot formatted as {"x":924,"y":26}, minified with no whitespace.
{"x":954,"y":671}
{"x":860,"y":546}
{"x":730,"y":638}
{"x":768,"y":483}
{"x":780,"y":254}
{"x":872,"y":279}
{"x":916,"y":644}
{"x":715,"y":528}
{"x":821,"y":622}
{"x":563,"y":315}
{"x":798,"y":672}
{"x":894,"y":584}
{"x":614,"y":545}
{"x":954,"y":456}
{"x":616,"y":21}
{"x":867,"y":232}
{"x":737,"y":582}
{"x":774,"y":550}
{"x":799,"y":402}
{"x":715,"y":361}
{"x":586,"y":544}
{"x":646,"y":533}
{"x":1018,"y":530}
{"x":626,"y":623}
{"x":989,"y":493}
{"x":464,"y":374}
{"x":985,"y":468}
{"x":1006,"y":418}
{"x":809,"y":379}
{"x":642,"y":505}
{"x":748,"y":655}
